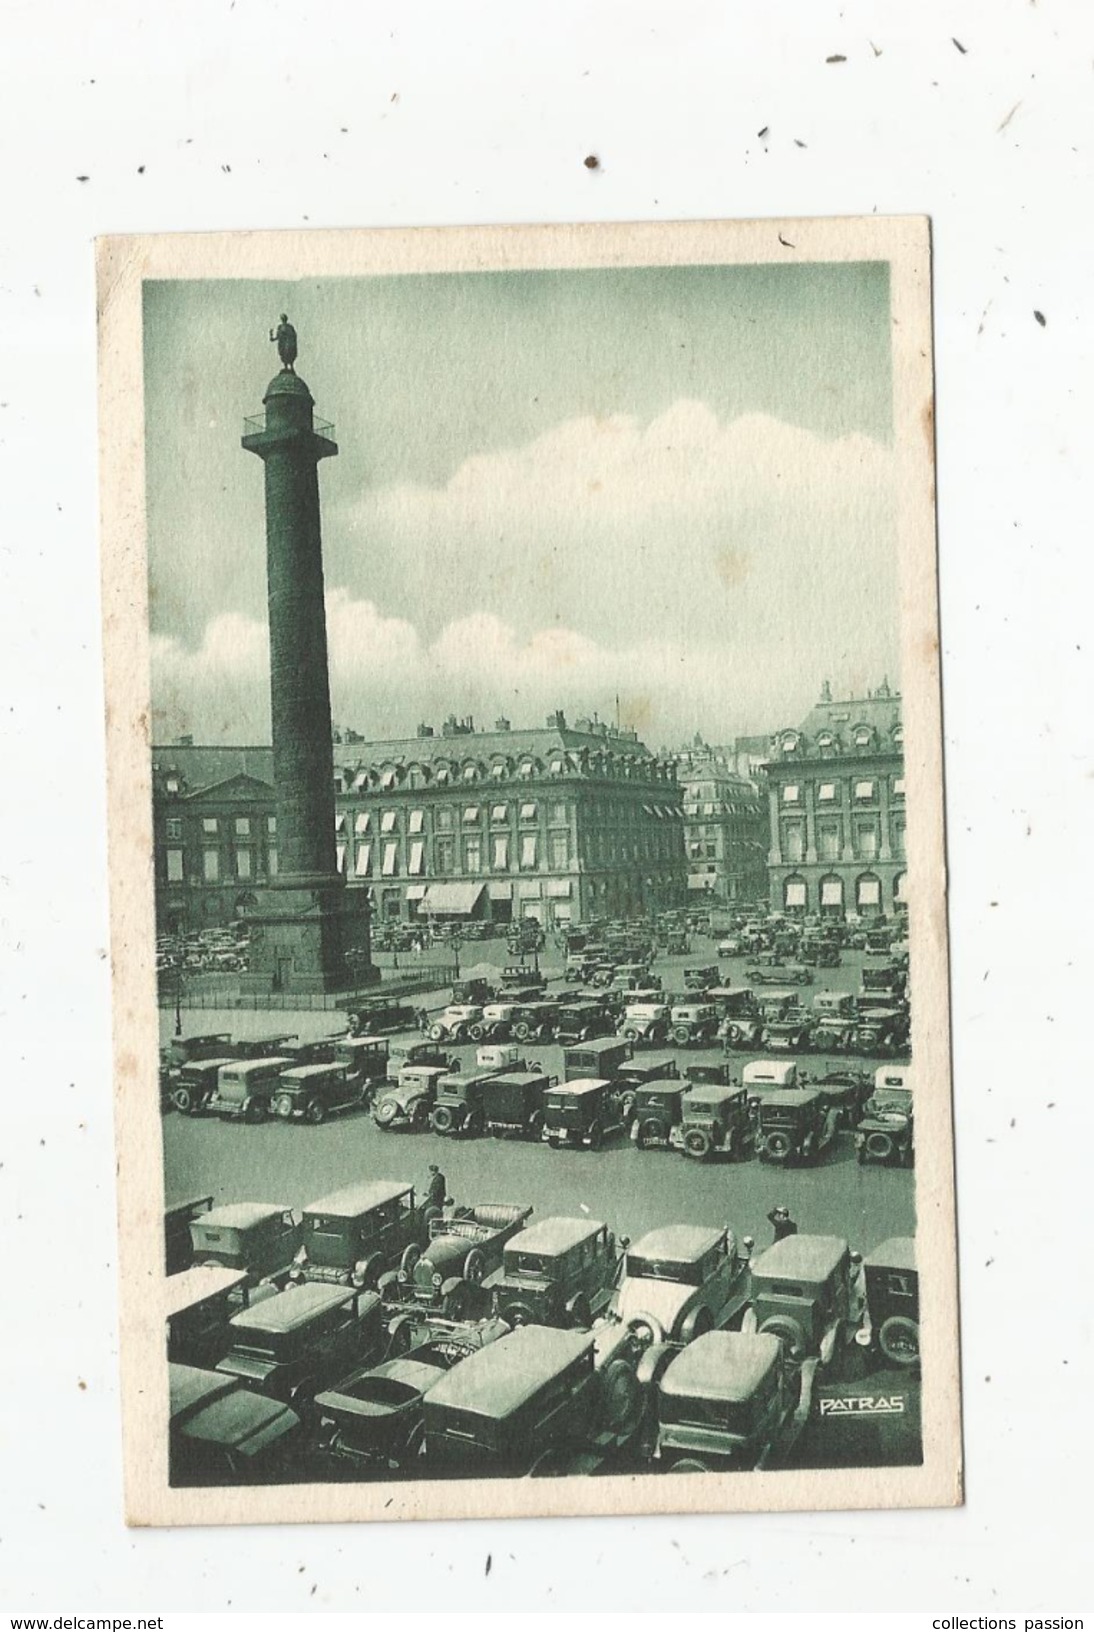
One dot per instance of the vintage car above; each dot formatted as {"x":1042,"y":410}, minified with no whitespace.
{"x":681,"y":1280}
{"x":719,"y":1075}
{"x":657,"y":1111}
{"x":845,"y":1090}
{"x":365,"y":1060}
{"x":892,"y":1302}
{"x":517,"y":976}
{"x":585,"y":1112}
{"x":302,"y":1340}
{"x":760,"y":1077}
{"x":535,"y":1021}
{"x":701,"y":977}
{"x":375,"y":1417}
{"x":255,"y":1236}
{"x":224,"y":1434}
{"x":740,"y":1023}
{"x":694,"y":1024}
{"x":886,"y":1132}
{"x":198,"y":1305}
{"x":559,"y":1272}
{"x":816,"y":953}
{"x":577,"y":1022}
{"x":722,"y":1403}
{"x":790,"y":1033}
{"x":795,"y":1125}
{"x":458,"y":1107}
{"x":408,"y":1102}
{"x":834,"y":1017}
{"x":453,"y":1024}
{"x":245,"y":1088}
{"x":606,"y":1057}
{"x":881,"y":1028}
{"x":446,"y":1275}
{"x":805,"y":1292}
{"x":714,"y":1120}
{"x":731,"y":946}
{"x":883,"y":982}
{"x":476,"y":990}
{"x":496,"y":1023}
{"x":536,"y":1401}
{"x":177,"y":1248}
{"x":405,"y":1051}
{"x":214,"y":1045}
{"x":646,"y":1023}
{"x":512,"y":1104}
{"x":311,"y":1093}
{"x":778,"y":974}
{"x":193,"y":1086}
{"x":677,"y":943}
{"x":353,"y":1235}
{"x":379,"y":1014}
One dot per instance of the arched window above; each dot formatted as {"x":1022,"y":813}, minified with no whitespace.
{"x":795,"y":893}
{"x":868,"y":895}
{"x":831,"y":896}
{"x":900,"y":890}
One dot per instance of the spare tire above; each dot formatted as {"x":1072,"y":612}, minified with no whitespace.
{"x":648,"y":1130}
{"x":777,"y":1145}
{"x":183,"y":1100}
{"x":789,"y":1333}
{"x":898,"y":1340}
{"x":880,"y":1146}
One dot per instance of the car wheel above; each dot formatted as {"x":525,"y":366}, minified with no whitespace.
{"x":436,"y":1032}
{"x":474,"y":1267}
{"x":789,"y":1333}
{"x":401,"y":1336}
{"x":183,"y":1100}
{"x":620,"y":1401}
{"x":689,"y":1464}
{"x":697,"y":1143}
{"x":646,"y":1330}
{"x":385,"y":1113}
{"x":443,"y":1119}
{"x":630,"y":1034}
{"x":519,"y":1314}
{"x":898,"y":1340}
{"x":880,"y":1146}
{"x":316,"y":1112}
{"x":648,"y":1131}
{"x":681,"y":1036}
{"x":476,"y":1033}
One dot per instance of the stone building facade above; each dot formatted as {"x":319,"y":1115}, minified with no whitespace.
{"x":836,"y":809}
{"x":725,"y":827}
{"x":214,"y":843}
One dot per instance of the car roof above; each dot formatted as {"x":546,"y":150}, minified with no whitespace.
{"x":240,"y":1215}
{"x":724,"y":1366}
{"x":681,"y":1243}
{"x":372,"y":1043}
{"x":302,"y":1073}
{"x":496,"y":1380}
{"x":598,"y":1045}
{"x":192,"y":1286}
{"x":247,"y":1068}
{"x":553,"y":1235}
{"x":518,"y":1079}
{"x":209,"y":1064}
{"x":804,"y":1257}
{"x":898,"y":1252}
{"x":581,"y":1085}
{"x":661,"y":1085}
{"x":293,"y":1308}
{"x":190,"y":1386}
{"x":796,"y":1098}
{"x":777,"y":1070}
{"x":703,"y":1093}
{"x":359,"y":1198}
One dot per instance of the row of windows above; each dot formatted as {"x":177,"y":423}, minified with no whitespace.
{"x":446,"y":818}
{"x":560,"y":764}
{"x":241,"y":826}
{"x":829,"y":894}
{"x":211,"y":865}
{"x":828,"y":743}
{"x":827,"y":792}
{"x":471,"y":856}
{"x":865,"y":838}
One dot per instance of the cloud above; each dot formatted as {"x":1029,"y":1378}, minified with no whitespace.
{"x":708,"y":575}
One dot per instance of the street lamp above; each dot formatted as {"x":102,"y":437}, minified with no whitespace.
{"x":178,"y":1000}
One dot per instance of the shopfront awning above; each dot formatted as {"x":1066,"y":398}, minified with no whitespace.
{"x":499,"y":890}
{"x":458,"y":900}
{"x":700,"y":881}
{"x":416,"y":892}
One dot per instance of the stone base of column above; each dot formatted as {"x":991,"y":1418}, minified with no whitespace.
{"x":309,"y":941}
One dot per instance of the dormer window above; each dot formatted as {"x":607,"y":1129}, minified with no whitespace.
{"x":387,"y":781}
{"x":790,"y":742}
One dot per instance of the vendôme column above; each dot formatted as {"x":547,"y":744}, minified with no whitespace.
{"x":307,"y":922}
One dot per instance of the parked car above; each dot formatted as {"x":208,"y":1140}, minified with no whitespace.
{"x":535,"y":1021}
{"x":834,"y":1017}
{"x":731,"y":946}
{"x":885,"y":982}
{"x":181,"y":1050}
{"x":606,"y":1057}
{"x":379,"y":1014}
{"x":245,"y":1088}
{"x":585,"y":1112}
{"x":714,"y":1120}
{"x":221,"y":1433}
{"x":518,"y":975}
{"x":403,"y":1051}
{"x":375,"y":1417}
{"x":559,"y":1272}
{"x":258,"y":1237}
{"x":198,"y":1306}
{"x":577,"y":1022}
{"x":791,"y":1033}
{"x":646,"y":1024}
{"x":193,"y":1086}
{"x":805,"y":1292}
{"x":365,"y":1060}
{"x":311,"y":1093}
{"x":453,"y":1024}
{"x":679,"y":1281}
{"x":886,"y":1132}
{"x":177,"y":1247}
{"x":458,"y":1107}
{"x":880,"y":1029}
{"x":694,"y":1024}
{"x":740,"y":1024}
{"x":701,"y":977}
{"x":295,"y":1344}
{"x":722,"y":1402}
{"x":892,"y":1302}
{"x":762,"y":1076}
{"x":845,"y":1090}
{"x":446,"y":1275}
{"x":795,"y":1125}
{"x":778,"y":974}
{"x":474,"y":991}
{"x":353,"y":1235}
{"x":407,"y":1102}
{"x":657,"y":1112}
{"x":536,"y":1401}
{"x":513,"y":1104}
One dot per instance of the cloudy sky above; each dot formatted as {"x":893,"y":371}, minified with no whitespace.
{"x":670,"y":486}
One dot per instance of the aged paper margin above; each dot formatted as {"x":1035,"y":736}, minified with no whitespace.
{"x":123,"y":264}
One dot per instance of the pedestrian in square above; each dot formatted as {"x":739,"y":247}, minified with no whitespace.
{"x":437,"y":1188}
{"x":781,"y":1223}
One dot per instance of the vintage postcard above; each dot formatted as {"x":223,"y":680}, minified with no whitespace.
{"x":527,"y":868}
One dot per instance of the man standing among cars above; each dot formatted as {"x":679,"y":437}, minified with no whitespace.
{"x":781,"y":1223}
{"x":437,"y":1188}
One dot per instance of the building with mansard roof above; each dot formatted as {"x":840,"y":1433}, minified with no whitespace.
{"x":836,"y":809}
{"x":725,"y":826}
{"x":562,"y":824}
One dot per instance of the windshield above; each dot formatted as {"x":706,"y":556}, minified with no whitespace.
{"x":663,"y":1269}
{"x":529,"y":1264}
